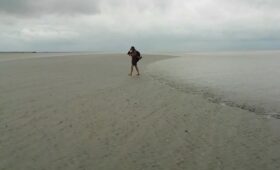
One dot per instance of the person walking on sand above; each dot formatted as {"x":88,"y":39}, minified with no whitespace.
{"x":135,"y":57}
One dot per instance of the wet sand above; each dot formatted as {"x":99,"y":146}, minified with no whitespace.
{"x":84,"y":113}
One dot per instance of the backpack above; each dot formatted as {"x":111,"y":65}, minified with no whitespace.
{"x":138,"y":55}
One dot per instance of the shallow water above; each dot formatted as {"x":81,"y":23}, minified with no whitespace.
{"x":248,"y":80}
{"x":9,"y":56}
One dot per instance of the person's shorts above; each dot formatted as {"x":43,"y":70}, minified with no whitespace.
{"x":134,"y":61}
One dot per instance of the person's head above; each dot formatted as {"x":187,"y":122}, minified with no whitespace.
{"x":132,"y":48}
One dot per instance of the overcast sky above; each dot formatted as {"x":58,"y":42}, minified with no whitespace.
{"x":150,"y":25}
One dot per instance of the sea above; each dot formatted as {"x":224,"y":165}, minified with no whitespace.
{"x":248,"y":80}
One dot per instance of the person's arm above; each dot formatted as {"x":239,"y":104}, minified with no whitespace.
{"x":129,"y":52}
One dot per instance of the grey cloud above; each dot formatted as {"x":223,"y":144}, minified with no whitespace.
{"x":260,"y":3}
{"x":148,"y":24}
{"x":34,"y":8}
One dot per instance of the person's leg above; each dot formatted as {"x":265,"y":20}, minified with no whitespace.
{"x":138,"y":73}
{"x":131,"y":70}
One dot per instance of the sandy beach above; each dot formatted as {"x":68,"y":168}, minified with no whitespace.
{"x":84,"y":113}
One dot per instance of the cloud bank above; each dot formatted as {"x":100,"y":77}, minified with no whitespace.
{"x":152,"y":25}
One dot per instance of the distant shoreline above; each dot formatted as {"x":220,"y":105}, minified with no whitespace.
{"x":18,"y":52}
{"x":50,"y":51}
{"x":147,"y":52}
